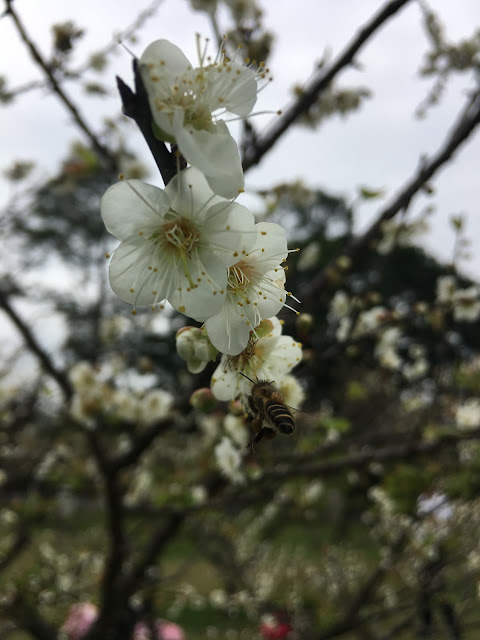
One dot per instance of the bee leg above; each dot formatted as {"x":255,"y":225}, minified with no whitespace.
{"x":264,"y":431}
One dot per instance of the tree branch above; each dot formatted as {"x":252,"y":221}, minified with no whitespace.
{"x":360,"y":459}
{"x":363,"y":594}
{"x":103,"y":151}
{"x":141,"y":444}
{"x":115,"y":525}
{"x":318,"y":84}
{"x":468,"y":119}
{"x":136,"y":106}
{"x":35,"y":348}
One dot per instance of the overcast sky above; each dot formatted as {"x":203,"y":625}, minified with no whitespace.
{"x":379,"y":146}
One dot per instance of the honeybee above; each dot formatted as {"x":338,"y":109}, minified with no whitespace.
{"x":270,"y":415}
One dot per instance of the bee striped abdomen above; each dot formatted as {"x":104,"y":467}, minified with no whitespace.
{"x":280,"y":416}
{"x":268,"y":411}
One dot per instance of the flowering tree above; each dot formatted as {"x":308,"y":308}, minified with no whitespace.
{"x":231,"y":467}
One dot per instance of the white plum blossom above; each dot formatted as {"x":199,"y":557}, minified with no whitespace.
{"x":368,"y":321}
{"x":188,"y":104}
{"x":344,"y":329}
{"x":235,"y":428}
{"x":269,"y":358}
{"x":292,"y":391}
{"x":255,"y":290}
{"x":199,"y":494}
{"x":385,"y":349}
{"x":340,"y":305}
{"x":418,"y":367}
{"x":228,"y":460}
{"x":446,"y":286}
{"x":175,"y":243}
{"x":466,"y":304}
{"x":467,"y":414}
{"x":415,"y":370}
{"x":155,"y":405}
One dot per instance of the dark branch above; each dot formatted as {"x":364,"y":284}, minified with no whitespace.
{"x":358,"y":460}
{"x":467,"y":121}
{"x":35,"y":348}
{"x":141,"y":444}
{"x":115,"y":525}
{"x":318,"y":84}
{"x":22,"y":539}
{"x":103,"y":151}
{"x":364,"y":594}
{"x":136,"y":106}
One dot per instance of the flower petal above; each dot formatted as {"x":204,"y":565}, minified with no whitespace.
{"x":205,"y":297}
{"x":189,"y":191}
{"x":137,"y":273}
{"x":230,"y":226}
{"x":162,"y":58}
{"x":215,"y":153}
{"x":129,"y":206}
{"x":228,"y":332}
{"x":236,"y":85}
{"x":270,"y":248}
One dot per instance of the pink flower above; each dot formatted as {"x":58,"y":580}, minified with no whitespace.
{"x":165,"y":631}
{"x":79,"y":620}
{"x":275,"y":628}
{"x":82,"y":615}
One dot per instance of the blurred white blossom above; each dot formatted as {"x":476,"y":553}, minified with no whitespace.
{"x":229,"y":459}
{"x":467,"y":414}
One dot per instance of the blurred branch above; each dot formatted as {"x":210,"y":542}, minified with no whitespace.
{"x":136,"y":106}
{"x":115,"y":524}
{"x":364,"y":593}
{"x":27,"y":617}
{"x":21,"y":541}
{"x":406,"y":451}
{"x":467,"y":121}
{"x":103,"y":151}
{"x":318,"y":84}
{"x":141,"y":444}
{"x":75,"y":73}
{"x":162,"y":536}
{"x":35,"y":348}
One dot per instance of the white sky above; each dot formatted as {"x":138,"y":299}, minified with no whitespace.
{"x":379,"y":146}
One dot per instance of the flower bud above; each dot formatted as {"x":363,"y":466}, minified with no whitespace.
{"x":304,"y":323}
{"x":185,"y":341}
{"x":203,"y":400}
{"x":194,"y":346}
{"x":236,"y":408}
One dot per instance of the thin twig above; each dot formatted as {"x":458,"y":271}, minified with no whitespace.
{"x":104,"y":152}
{"x":467,"y":121}
{"x":317,"y":85}
{"x":45,"y":360}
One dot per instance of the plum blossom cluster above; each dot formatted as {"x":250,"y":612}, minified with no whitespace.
{"x":191,"y":244}
{"x":94,"y":395}
{"x":393,"y":349}
{"x":463,"y":302}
